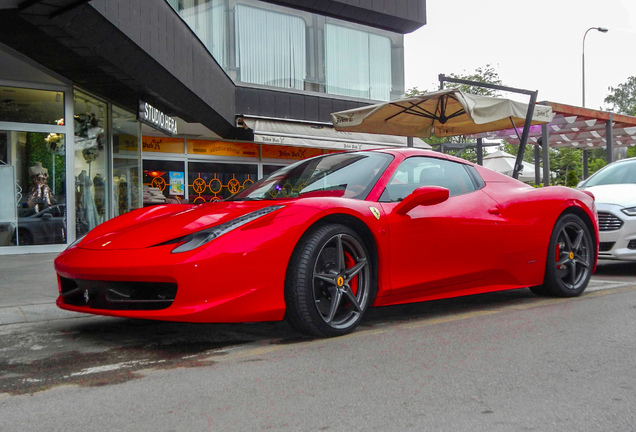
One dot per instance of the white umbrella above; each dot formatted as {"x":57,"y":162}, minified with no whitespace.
{"x":444,"y":113}
{"x":504,"y":163}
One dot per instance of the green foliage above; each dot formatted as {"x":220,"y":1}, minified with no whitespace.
{"x":483,"y":74}
{"x":572,"y":179}
{"x":622,"y":99}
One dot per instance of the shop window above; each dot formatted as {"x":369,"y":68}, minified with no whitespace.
{"x":126,"y":162}
{"x":163,"y":182}
{"x":209,"y":182}
{"x":21,"y":105}
{"x":357,"y":63}
{"x":270,"y":48}
{"x":91,"y":199}
{"x":269,"y":169}
{"x":32,"y":188}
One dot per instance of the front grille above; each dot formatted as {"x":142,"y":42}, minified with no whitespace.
{"x":608,"y":222}
{"x":605,"y":246}
{"x":631,"y":244}
{"x":117,"y":295}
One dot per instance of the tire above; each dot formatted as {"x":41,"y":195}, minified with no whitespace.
{"x":329,"y":283}
{"x":570,"y":259}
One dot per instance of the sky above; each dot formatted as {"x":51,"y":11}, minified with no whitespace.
{"x":533,"y":45}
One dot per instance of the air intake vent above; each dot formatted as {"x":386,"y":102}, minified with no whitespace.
{"x":608,"y":222}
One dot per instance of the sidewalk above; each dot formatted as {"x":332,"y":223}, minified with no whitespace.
{"x":28,"y":289}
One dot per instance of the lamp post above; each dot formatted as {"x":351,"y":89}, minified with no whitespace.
{"x":602,"y":30}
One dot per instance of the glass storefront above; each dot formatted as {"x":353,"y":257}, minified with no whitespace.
{"x":209,"y":182}
{"x":32,"y":167}
{"x":59,"y":179}
{"x":90,"y":164}
{"x":126,"y":162}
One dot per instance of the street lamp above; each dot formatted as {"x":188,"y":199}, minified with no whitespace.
{"x":602,"y":30}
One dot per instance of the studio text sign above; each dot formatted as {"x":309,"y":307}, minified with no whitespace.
{"x":156,"y":118}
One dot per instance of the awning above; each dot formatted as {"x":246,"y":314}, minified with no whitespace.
{"x":576,"y":127}
{"x":289,"y":133}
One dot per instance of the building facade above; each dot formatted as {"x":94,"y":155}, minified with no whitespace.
{"x":110,"y":105}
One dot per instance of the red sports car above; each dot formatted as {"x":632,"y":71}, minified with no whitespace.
{"x":322,"y":240}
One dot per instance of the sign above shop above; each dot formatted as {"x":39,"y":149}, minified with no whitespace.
{"x":156,"y":118}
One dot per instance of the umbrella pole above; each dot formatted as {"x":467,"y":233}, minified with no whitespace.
{"x":524,"y":135}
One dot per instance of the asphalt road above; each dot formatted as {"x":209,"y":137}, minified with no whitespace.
{"x":496,"y":362}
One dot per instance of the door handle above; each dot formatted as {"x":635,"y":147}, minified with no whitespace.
{"x":495,"y":211}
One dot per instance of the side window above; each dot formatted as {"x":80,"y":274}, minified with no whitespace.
{"x":418,"y":171}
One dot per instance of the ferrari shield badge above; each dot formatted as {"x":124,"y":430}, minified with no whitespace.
{"x":375,"y":212}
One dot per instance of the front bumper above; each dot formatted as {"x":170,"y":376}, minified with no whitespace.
{"x":617,"y":233}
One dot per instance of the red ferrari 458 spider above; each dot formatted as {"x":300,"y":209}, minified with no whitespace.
{"x":319,"y":242}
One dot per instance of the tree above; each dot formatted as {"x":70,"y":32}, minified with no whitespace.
{"x":622,"y":99}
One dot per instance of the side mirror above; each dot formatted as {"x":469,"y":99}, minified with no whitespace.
{"x":422,"y":196}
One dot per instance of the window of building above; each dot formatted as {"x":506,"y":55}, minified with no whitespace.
{"x":357,"y":63}
{"x":207,"y":18}
{"x":32,"y":167}
{"x":268,"y":44}
{"x":91,"y":156}
{"x":126,"y":162}
{"x":163,"y":182}
{"x":214,"y":181}
{"x":270,"y":47}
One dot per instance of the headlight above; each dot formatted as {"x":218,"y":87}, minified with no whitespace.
{"x":629,"y":211}
{"x":199,"y":238}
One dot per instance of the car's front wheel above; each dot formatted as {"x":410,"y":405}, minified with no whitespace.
{"x":570,"y":259}
{"x":329,"y":284}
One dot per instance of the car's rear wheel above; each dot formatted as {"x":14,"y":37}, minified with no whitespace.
{"x":329,"y":284}
{"x":570,"y":259}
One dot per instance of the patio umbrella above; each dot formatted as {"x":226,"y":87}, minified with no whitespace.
{"x":443,"y":113}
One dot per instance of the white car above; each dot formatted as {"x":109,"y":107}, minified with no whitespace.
{"x":614,"y":188}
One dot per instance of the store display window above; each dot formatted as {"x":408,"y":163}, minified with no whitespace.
{"x":32,"y":167}
{"x":32,"y":188}
{"x":214,"y":181}
{"x":163,"y":182}
{"x":91,"y":200}
{"x":126,"y":162}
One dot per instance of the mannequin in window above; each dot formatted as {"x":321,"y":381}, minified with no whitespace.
{"x":123,"y":195}
{"x":100,"y":196}
{"x":40,"y":195}
{"x":84,"y":184}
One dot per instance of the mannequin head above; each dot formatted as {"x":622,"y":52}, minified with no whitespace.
{"x":37,"y":169}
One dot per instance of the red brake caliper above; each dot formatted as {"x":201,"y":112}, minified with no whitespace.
{"x":558,"y":253}
{"x":349,"y":262}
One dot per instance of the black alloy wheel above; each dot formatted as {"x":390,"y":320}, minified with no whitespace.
{"x":329,"y":284}
{"x":570,"y":259}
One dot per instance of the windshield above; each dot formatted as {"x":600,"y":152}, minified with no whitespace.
{"x":351,"y":175}
{"x":617,"y":173}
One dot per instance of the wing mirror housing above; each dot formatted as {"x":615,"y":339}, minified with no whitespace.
{"x":422,"y":196}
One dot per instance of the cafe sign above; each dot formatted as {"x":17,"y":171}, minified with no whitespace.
{"x":156,"y":118}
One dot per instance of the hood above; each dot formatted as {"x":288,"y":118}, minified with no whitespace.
{"x":159,"y":224}
{"x":623,"y":195}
